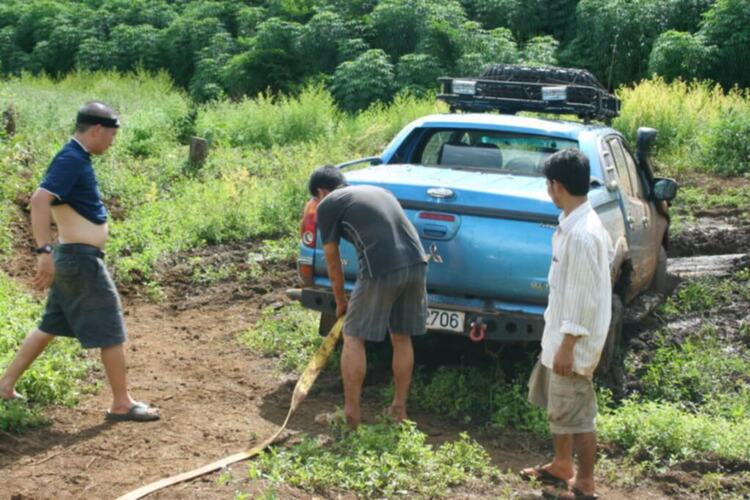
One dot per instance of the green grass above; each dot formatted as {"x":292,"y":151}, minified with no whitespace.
{"x":289,"y":334}
{"x":698,"y":295}
{"x":702,"y":372}
{"x":695,"y":389}
{"x":691,"y":198}
{"x":55,"y":378}
{"x":666,"y":432}
{"x":381,"y":460}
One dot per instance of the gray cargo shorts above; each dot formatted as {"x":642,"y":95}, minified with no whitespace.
{"x":83,"y":302}
{"x":395,"y":301}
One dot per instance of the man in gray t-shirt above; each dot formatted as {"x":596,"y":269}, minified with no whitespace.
{"x":390,"y":293}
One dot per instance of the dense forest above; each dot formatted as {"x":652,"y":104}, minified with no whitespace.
{"x":369,"y":50}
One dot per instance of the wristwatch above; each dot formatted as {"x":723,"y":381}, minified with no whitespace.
{"x":46,"y":248}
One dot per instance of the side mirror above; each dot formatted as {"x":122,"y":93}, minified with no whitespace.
{"x":645,"y":139}
{"x":665,"y":189}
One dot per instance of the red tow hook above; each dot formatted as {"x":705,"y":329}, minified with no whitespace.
{"x":478,"y":330}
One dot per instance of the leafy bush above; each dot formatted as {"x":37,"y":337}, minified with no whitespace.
{"x":726,"y":25}
{"x":369,"y":78}
{"x":541,"y":50}
{"x":418,"y":73}
{"x":677,"y":54}
{"x":377,"y":461}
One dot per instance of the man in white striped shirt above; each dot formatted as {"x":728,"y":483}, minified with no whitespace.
{"x":576,"y":324}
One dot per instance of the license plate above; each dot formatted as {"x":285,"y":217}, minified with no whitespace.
{"x":440,"y":319}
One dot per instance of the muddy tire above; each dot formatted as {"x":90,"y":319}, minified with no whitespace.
{"x":661,"y":283}
{"x":611,"y":370}
{"x":326,"y":323}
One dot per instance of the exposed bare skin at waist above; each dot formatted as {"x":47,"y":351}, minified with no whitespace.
{"x":73,"y":228}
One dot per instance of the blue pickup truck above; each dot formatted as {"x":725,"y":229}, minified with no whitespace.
{"x":472,"y":184}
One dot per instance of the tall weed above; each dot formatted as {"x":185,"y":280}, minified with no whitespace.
{"x":700,"y":127}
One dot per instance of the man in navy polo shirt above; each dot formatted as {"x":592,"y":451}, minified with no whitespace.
{"x":82,"y":301}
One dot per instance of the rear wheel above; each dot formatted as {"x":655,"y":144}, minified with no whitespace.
{"x":611,"y":370}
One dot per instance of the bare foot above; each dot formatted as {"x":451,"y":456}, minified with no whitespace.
{"x":353,"y":418}
{"x":352,"y":422}
{"x":11,"y":395}
{"x":551,"y":473}
{"x":397,"y":413}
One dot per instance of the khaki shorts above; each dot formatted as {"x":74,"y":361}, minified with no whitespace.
{"x":570,"y":401}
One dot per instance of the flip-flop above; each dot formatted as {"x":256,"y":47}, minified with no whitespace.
{"x":544,"y":476}
{"x":571,"y":493}
{"x":139,"y":412}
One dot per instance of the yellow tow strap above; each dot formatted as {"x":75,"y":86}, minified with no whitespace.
{"x":306,"y":380}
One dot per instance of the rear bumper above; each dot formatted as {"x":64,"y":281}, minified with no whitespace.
{"x":505,"y":321}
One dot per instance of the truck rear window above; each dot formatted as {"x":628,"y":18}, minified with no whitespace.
{"x":489,"y":150}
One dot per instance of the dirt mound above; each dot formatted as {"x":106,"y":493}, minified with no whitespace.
{"x":238,"y":271}
{"x":711,"y":236}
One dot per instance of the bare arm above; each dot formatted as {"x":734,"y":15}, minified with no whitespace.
{"x":336,"y":274}
{"x":40,"y":226}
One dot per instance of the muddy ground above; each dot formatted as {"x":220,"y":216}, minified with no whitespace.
{"x":218,"y":398}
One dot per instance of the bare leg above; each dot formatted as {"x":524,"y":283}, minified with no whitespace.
{"x":403,"y":365}
{"x":586,"y":450}
{"x":113,"y":359}
{"x":562,"y":465}
{"x":353,"y":369}
{"x":35,"y":342}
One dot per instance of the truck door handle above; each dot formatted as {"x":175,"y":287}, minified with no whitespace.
{"x":644,"y":221}
{"x":631,"y":221}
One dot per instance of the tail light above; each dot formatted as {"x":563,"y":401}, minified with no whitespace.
{"x":308,"y":226}
{"x":307,"y":231}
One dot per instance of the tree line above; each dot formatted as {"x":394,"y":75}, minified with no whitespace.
{"x":369,"y":50}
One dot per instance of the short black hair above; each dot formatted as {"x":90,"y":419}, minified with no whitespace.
{"x":570,"y":168}
{"x":325,"y":177}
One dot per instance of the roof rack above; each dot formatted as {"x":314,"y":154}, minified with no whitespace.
{"x":510,"y":89}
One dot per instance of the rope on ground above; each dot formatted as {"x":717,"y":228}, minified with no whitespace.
{"x":305,"y":382}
